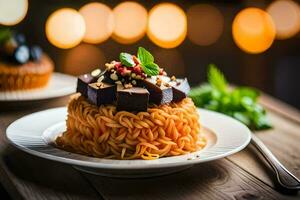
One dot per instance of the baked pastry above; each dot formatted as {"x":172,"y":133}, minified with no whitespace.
{"x":22,"y":66}
{"x":131,"y":110}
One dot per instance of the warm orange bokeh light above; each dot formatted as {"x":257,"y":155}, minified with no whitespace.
{"x":65,"y":28}
{"x":99,"y":21}
{"x":12,"y":11}
{"x":205,"y":24}
{"x":82,"y":59}
{"x":171,"y":60}
{"x":167,"y":25}
{"x":130,"y":22}
{"x":253,"y":30}
{"x":286,"y":17}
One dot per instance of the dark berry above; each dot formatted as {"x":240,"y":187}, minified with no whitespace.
{"x":20,"y":38}
{"x":35,"y":53}
{"x":21,"y":54}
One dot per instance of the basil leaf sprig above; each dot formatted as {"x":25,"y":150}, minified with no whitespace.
{"x":126,"y":59}
{"x":147,"y":62}
{"x":239,"y":103}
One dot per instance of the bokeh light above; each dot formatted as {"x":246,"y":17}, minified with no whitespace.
{"x":82,"y":59}
{"x":171,"y":60}
{"x":12,"y":11}
{"x":99,"y":21}
{"x":253,"y":30}
{"x":167,"y":25}
{"x":65,"y":28}
{"x":205,"y":24}
{"x":286,"y":17}
{"x":130,"y":22}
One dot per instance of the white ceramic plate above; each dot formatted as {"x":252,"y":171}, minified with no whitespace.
{"x":59,"y":85}
{"x":34,"y":134}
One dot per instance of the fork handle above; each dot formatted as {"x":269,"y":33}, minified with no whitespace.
{"x":285,"y":178}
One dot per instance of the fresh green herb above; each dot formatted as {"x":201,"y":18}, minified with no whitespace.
{"x":216,"y":78}
{"x":5,"y":34}
{"x":150,"y":69}
{"x":126,"y":59}
{"x":239,"y":103}
{"x":144,"y":56}
{"x":147,"y":62}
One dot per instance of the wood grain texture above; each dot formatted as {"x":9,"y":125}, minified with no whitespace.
{"x":284,"y":142}
{"x":280,"y":108}
{"x":214,"y":180}
{"x":241,"y":176}
{"x":28,"y":177}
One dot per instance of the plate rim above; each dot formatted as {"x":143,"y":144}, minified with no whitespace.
{"x":146,"y":163}
{"x":58,"y":74}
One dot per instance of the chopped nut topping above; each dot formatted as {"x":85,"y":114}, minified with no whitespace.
{"x":158,"y":81}
{"x":173,"y":78}
{"x":100,"y":79}
{"x":138,"y":77}
{"x":114,"y":76}
{"x":135,"y":59}
{"x":99,"y":85}
{"x":109,"y":65}
{"x":96,"y":72}
{"x":167,"y":84}
{"x":128,"y":86}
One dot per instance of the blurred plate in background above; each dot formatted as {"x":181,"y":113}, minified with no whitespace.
{"x":59,"y":85}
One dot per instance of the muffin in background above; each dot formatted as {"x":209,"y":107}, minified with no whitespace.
{"x":22,"y":66}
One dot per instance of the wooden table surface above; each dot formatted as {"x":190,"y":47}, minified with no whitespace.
{"x":241,"y":176}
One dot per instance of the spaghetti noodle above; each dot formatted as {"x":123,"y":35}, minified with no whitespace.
{"x":164,"y":130}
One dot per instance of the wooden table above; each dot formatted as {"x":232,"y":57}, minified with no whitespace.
{"x":241,"y":176}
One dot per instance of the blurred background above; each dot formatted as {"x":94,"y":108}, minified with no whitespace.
{"x":254,"y":42}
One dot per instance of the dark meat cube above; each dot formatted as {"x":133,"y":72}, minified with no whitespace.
{"x":101,"y":93}
{"x":85,"y":79}
{"x":132,"y":99}
{"x":159,"y":93}
{"x":180,"y":88}
{"x":82,"y":83}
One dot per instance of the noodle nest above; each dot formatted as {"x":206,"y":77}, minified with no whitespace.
{"x":165,"y":130}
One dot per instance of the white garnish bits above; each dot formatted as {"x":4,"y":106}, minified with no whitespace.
{"x":100,"y":79}
{"x":96,"y":72}
{"x":114,"y":76}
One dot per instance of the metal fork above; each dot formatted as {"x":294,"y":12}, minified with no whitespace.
{"x":285,"y":178}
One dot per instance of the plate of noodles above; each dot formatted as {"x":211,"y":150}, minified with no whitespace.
{"x":129,"y":120}
{"x":223,"y":137}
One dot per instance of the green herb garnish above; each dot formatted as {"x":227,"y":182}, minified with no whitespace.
{"x":151,"y":69}
{"x":239,"y":103}
{"x":147,"y":62}
{"x":5,"y":34}
{"x":126,"y":59}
